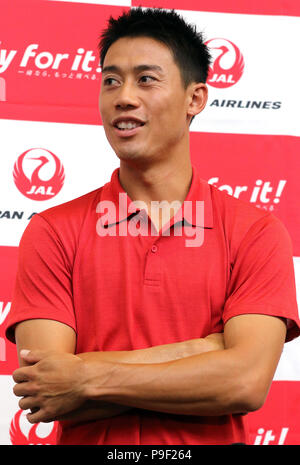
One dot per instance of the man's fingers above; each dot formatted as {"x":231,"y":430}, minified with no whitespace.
{"x":40,"y":415}
{"x":24,"y":389}
{"x":33,"y":356}
{"x":20,"y":375}
{"x":27,"y":403}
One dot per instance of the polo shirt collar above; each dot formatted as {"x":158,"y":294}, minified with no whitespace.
{"x":199,"y":190}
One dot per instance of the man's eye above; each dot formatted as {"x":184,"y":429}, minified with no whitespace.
{"x":110,"y":81}
{"x":146,"y":79}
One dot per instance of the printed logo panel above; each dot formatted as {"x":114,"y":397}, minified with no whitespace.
{"x":245,"y":92}
{"x":277,"y":422}
{"x":50,"y":79}
{"x":60,"y":81}
{"x":72,"y":160}
{"x":253,"y":169}
{"x":46,"y":76}
{"x":38,"y":174}
{"x":8,"y":352}
{"x":228,"y":63}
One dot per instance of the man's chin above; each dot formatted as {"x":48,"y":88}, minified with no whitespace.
{"x":128,"y":156}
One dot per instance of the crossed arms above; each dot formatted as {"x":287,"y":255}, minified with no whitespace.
{"x":208,"y":376}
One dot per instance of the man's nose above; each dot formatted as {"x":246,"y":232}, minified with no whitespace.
{"x":126,"y":96}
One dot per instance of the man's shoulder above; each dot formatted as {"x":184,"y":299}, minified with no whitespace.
{"x":242,"y":221}
{"x":74,"y":210}
{"x":237,"y":212}
{"x":63,"y":224}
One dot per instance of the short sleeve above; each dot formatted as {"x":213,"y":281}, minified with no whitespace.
{"x":43,"y":287}
{"x":262,"y":277}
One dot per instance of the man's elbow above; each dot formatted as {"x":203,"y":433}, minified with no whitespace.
{"x":239,"y":396}
{"x":252,"y":395}
{"x":254,"y":402}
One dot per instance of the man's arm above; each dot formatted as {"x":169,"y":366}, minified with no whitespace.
{"x":50,"y":335}
{"x":161,"y":353}
{"x":234,"y":380}
{"x":43,"y":334}
{"x":220,"y":382}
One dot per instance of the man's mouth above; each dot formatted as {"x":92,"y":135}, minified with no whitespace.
{"x":128,"y":125}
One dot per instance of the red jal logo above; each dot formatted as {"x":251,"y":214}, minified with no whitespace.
{"x":228,"y":65}
{"x":18,"y":427}
{"x":38,"y":174}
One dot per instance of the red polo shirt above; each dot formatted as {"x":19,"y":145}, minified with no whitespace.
{"x":97,"y":269}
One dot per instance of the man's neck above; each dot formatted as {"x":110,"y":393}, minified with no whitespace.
{"x":152,"y":184}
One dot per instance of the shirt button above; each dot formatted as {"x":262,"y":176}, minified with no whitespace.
{"x":154,"y":248}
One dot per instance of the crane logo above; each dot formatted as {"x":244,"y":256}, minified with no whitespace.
{"x":22,"y":433}
{"x":39,"y":174}
{"x":228,"y":63}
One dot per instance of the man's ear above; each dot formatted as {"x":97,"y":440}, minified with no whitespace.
{"x":198,"y":94}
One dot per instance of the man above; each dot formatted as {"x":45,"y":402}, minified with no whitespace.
{"x":116,"y":316}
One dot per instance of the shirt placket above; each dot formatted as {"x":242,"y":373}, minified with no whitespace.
{"x":154,"y":243}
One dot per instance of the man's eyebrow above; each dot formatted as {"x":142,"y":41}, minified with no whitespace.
{"x":111,"y":69}
{"x":148,"y":68}
{"x":139,"y":68}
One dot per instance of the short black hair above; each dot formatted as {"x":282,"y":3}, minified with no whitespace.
{"x":185,"y":42}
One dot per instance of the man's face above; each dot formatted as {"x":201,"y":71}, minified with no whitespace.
{"x":143,"y":102}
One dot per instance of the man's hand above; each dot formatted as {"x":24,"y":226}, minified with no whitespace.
{"x":51,"y":386}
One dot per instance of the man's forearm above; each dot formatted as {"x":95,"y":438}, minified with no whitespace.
{"x":161,"y":353}
{"x":97,"y":409}
{"x":205,"y":384}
